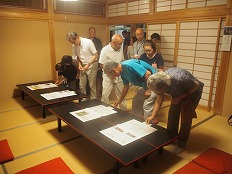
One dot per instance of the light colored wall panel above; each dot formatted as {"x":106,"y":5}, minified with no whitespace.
{"x":134,"y":3}
{"x":185,"y":65}
{"x":207,"y":32}
{"x":189,"y":25}
{"x":203,"y":68}
{"x":121,"y":13}
{"x":25,"y":54}
{"x":112,"y":7}
{"x":206,"y":82}
{"x":203,"y":75}
{"x":133,"y":12}
{"x":186,"y":53}
{"x":168,"y":65}
{"x":188,"y":39}
{"x":205,"y":96}
{"x":168,"y":39}
{"x":188,"y":33}
{"x":113,"y":10}
{"x":144,"y":11}
{"x":207,"y":40}
{"x":208,"y":47}
{"x":178,"y":2}
{"x":167,"y":51}
{"x":203,"y":102}
{"x":159,"y":9}
{"x":205,"y":54}
{"x":168,"y":26}
{"x":144,"y":6}
{"x":123,"y":5}
{"x":185,"y":59}
{"x":196,"y":4}
{"x":168,"y":45}
{"x":163,"y":3}
{"x":208,"y":24}
{"x":168,"y":32}
{"x":154,"y":27}
{"x":132,"y":8}
{"x":188,"y":46}
{"x":216,"y":2}
{"x":203,"y":61}
{"x":178,"y":7}
{"x":206,"y":89}
{"x":167,"y":57}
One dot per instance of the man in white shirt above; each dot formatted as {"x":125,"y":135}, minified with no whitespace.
{"x":112,"y":52}
{"x":138,"y":45}
{"x":86,"y":57}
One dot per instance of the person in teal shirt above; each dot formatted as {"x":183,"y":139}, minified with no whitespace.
{"x":135,"y":72}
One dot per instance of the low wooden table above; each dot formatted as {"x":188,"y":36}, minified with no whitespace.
{"x":124,"y":155}
{"x":36,"y":94}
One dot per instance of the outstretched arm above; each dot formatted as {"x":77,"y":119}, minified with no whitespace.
{"x":123,"y":95}
{"x":158,"y":104}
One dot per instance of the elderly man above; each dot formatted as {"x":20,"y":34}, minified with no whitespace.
{"x":186,"y":91}
{"x":138,"y":45}
{"x":135,"y":72}
{"x":86,"y":56}
{"x":112,"y":52}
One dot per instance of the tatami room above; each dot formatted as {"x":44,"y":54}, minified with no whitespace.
{"x":33,"y":40}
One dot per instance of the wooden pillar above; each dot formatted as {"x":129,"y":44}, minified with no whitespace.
{"x":222,"y":74}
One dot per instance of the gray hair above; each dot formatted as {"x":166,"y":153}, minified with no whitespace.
{"x":158,"y":81}
{"x":71,"y":35}
{"x":109,"y":66}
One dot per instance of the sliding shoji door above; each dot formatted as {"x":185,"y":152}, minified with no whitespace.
{"x":198,"y":53}
{"x":197,"y":50}
{"x":168,"y":36}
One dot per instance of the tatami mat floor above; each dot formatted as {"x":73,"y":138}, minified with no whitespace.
{"x":34,"y":140}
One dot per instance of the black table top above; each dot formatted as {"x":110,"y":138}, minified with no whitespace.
{"x":36,"y":94}
{"x":91,"y":130}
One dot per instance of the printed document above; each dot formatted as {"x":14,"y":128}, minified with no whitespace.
{"x":128,"y":132}
{"x":92,"y":113}
{"x":42,"y":86}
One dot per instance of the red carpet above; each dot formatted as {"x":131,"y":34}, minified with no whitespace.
{"x":211,"y":161}
{"x":5,"y":152}
{"x":54,"y":166}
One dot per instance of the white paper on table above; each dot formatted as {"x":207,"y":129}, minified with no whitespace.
{"x":128,"y":132}
{"x":102,"y":110}
{"x":92,"y":113}
{"x":85,"y":115}
{"x":58,"y":94}
{"x":137,"y":128}
{"x":42,"y":86}
{"x":119,"y":136}
{"x":34,"y":87}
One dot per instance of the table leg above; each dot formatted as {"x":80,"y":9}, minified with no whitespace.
{"x":22,"y":95}
{"x":116,"y":168}
{"x":160,"y":151}
{"x":136,"y":165}
{"x":59,"y":124}
{"x":43,"y":112}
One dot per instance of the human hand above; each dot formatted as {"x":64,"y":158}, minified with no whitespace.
{"x":176,"y":100}
{"x":147,"y":94}
{"x":148,"y":120}
{"x":154,"y":65}
{"x":116,"y":104}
